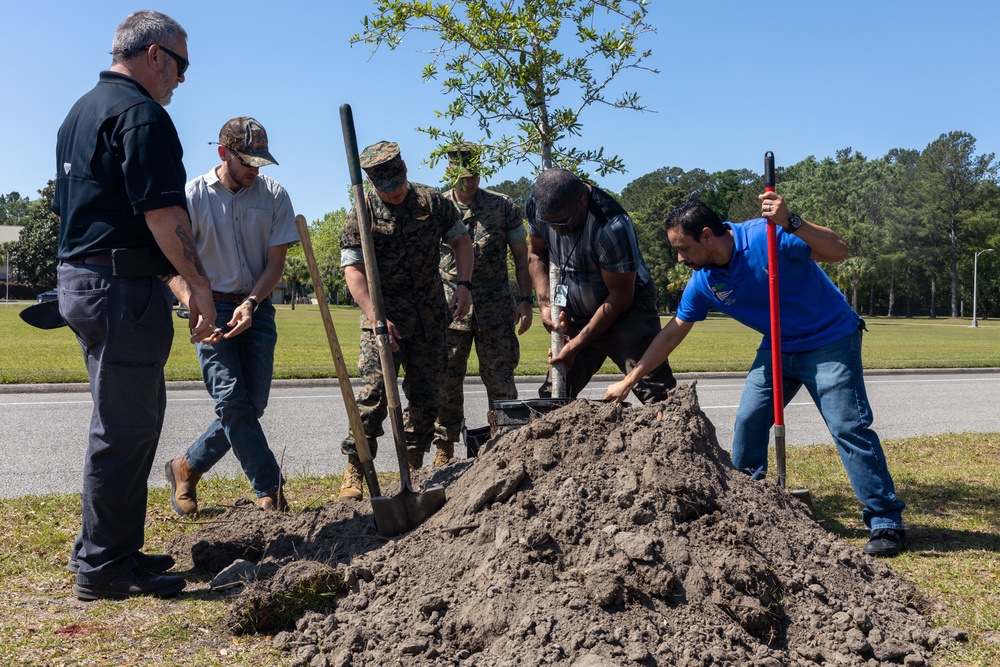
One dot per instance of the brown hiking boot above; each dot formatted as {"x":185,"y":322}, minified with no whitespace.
{"x":445,"y":453}
{"x":350,"y":488}
{"x":274,"y":501}
{"x":183,"y":480}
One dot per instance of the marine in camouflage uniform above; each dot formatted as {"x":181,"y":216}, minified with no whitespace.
{"x":409,"y":223}
{"x":495,"y":224}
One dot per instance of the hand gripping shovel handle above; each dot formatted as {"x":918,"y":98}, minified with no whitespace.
{"x":353,"y":415}
{"x":776,"y":375}
{"x":381,"y":329}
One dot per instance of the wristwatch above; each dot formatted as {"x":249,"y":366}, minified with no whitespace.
{"x":467,"y":284}
{"x":794,"y":222}
{"x":530,"y":299}
{"x":253,"y":302}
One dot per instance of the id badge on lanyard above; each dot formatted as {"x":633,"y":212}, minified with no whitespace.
{"x":562,"y":291}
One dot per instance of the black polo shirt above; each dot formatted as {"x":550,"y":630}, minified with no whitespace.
{"x":117,"y":156}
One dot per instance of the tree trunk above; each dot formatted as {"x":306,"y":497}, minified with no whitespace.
{"x":954,"y":269}
{"x":854,"y":295}
{"x":933,"y":296}
{"x":892,"y":296}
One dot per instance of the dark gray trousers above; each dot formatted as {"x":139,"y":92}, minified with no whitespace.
{"x":125,"y":331}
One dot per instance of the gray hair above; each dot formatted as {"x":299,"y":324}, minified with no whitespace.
{"x":142,"y":29}
{"x":555,"y":191}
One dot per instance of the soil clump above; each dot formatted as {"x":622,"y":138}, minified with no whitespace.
{"x":595,"y":535}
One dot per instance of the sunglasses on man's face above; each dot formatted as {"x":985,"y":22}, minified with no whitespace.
{"x":566,"y":222}
{"x":182,"y":62}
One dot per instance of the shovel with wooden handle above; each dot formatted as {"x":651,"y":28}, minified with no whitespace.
{"x":353,"y":414}
{"x":777,"y":376}
{"x":407,"y":509}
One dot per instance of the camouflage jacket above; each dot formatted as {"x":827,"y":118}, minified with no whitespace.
{"x":407,"y":239}
{"x":493,"y":223}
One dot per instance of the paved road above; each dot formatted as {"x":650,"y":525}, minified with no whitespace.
{"x":42,"y":431}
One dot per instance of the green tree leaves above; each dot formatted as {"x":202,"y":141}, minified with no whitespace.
{"x":522,"y":73}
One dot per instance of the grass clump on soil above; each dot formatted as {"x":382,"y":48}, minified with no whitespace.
{"x":718,"y":344}
{"x":951,"y":484}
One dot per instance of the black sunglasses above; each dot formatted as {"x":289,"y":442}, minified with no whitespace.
{"x":559,"y":224}
{"x":182,"y":62}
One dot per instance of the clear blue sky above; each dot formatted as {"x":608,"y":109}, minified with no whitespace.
{"x":736,"y":79}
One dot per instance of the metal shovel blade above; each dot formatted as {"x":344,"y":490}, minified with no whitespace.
{"x":406,"y":510}
{"x":805,"y":497}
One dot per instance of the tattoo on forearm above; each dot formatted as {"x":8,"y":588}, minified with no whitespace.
{"x":190,"y":253}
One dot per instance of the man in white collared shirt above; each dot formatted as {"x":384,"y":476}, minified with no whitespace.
{"x":243,"y":223}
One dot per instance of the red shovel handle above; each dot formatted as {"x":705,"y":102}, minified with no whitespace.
{"x":772,"y":273}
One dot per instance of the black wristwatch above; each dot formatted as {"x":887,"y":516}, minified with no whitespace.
{"x":530,"y":299}
{"x":467,"y":284}
{"x":253,"y":302}
{"x":794,"y":222}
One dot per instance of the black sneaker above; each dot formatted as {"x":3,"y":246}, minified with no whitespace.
{"x":155,"y":563}
{"x":885,"y":542}
{"x":137,"y":581}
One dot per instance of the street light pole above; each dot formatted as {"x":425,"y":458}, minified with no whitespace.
{"x":975,"y":277}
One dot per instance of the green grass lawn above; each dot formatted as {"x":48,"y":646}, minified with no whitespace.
{"x":951,"y":485}
{"x":718,"y":344}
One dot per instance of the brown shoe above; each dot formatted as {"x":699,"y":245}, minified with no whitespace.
{"x":350,"y":488}
{"x":274,"y":501}
{"x":183,"y":480}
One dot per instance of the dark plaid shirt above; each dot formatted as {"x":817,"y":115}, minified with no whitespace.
{"x":607,"y":241}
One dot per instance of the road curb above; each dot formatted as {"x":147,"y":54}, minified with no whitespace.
{"x":71,"y":387}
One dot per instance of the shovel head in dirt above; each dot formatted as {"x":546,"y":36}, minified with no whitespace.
{"x":406,"y":510}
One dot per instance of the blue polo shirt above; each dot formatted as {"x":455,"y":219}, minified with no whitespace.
{"x":117,"y":156}
{"x":814,"y":312}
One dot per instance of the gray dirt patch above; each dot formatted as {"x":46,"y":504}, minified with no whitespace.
{"x":595,"y":535}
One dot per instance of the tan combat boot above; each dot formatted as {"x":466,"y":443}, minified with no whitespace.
{"x":445,"y":453}
{"x":415,"y":458}
{"x":183,"y":480}
{"x":350,"y":488}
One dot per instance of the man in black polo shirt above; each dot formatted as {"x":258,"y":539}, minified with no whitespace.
{"x":120,"y":198}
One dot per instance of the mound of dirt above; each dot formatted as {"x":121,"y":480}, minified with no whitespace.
{"x":595,"y":535}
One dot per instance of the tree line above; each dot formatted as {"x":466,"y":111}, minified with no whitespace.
{"x":913,"y":220}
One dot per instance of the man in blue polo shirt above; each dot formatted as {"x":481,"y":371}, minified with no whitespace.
{"x":820,"y":343}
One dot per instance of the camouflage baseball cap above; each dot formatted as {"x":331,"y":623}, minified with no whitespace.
{"x":464,"y":158}
{"x":384,"y":166}
{"x":246,"y":137}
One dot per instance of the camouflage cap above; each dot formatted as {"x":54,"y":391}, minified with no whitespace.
{"x":384,"y":166}
{"x":246,"y":137}
{"x":464,"y":157}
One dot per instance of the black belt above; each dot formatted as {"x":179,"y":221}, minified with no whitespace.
{"x":97,"y":259}
{"x":229,"y":297}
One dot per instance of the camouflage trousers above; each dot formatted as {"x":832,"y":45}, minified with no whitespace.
{"x":498,"y":352}
{"x":422,"y":360}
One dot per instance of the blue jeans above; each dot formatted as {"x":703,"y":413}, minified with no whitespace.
{"x":124,"y":329}
{"x":237,"y":373}
{"x":834,"y":378}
